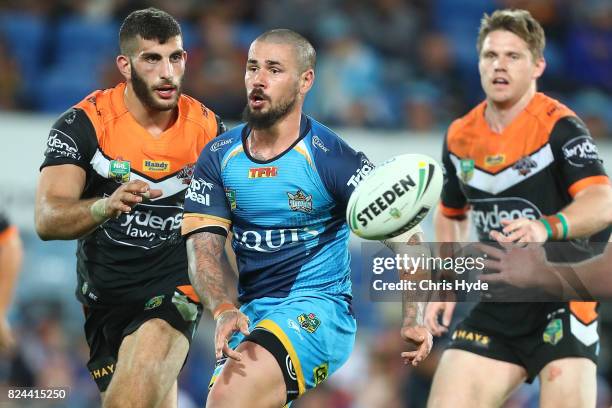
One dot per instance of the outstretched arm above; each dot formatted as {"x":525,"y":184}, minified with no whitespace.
{"x":215,"y":283}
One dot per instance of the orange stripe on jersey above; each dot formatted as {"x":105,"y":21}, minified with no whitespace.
{"x":120,"y":136}
{"x":453,"y":212}
{"x":470,"y":137}
{"x":192,"y":222}
{"x":585,"y":311}
{"x":586,"y":182}
{"x":188,"y":291}
{"x":8,"y":233}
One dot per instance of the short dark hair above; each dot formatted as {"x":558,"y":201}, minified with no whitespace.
{"x":149,"y":24}
{"x":519,"y":22}
{"x":305,"y":52}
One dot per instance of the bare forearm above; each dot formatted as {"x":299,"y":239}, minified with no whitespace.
{"x":209,"y":271}
{"x":64,"y":218}
{"x":11,"y":256}
{"x":450,"y":230}
{"x":414,"y":302}
{"x":590,"y":212}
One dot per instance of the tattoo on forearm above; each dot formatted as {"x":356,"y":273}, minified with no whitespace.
{"x":414,"y":301}
{"x":204,"y":254}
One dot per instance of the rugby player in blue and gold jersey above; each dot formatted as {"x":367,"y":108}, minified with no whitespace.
{"x":280,"y":184}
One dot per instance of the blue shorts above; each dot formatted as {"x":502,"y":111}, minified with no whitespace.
{"x":317,"y":331}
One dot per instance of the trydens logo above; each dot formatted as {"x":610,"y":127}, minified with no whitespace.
{"x":580,"y":151}
{"x":60,"y":144}
{"x":488,"y":214}
{"x":364,"y":170}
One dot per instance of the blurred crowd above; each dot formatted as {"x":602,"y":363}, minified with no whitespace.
{"x":396,"y":64}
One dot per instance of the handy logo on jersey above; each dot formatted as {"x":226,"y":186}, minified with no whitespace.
{"x":272,"y":240}
{"x":525,"y":165}
{"x":309,"y":322}
{"x":495,"y":160}
{"x":580,"y":151}
{"x":119,"y":170}
{"x":186,"y":173}
{"x":263,"y":172}
{"x":467,"y":169}
{"x":360,"y":173}
{"x":300,"y":202}
{"x":60,"y":144}
{"x":488,"y":213}
{"x":316,"y":142}
{"x":156,"y":166}
{"x":553,"y":333}
{"x":231,"y":198}
{"x":197,"y":191}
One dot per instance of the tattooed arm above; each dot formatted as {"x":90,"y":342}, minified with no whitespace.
{"x":215,"y":283}
{"x":413,"y":301}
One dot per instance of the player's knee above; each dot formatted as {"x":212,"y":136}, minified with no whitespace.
{"x":220,"y":396}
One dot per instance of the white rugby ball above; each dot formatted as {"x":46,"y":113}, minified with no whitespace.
{"x":394,"y":197}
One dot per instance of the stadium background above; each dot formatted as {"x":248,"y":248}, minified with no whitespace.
{"x":391,"y":75}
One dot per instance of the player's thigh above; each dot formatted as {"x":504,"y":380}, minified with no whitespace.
{"x":254,"y":381}
{"x":465,"y":379}
{"x":568,"y":382}
{"x":148,"y":364}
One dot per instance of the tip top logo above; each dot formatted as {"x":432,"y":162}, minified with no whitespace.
{"x":300,"y":202}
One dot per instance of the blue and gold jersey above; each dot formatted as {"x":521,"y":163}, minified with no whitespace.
{"x":287,"y":215}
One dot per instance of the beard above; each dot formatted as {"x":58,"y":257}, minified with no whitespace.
{"x":264,"y":120}
{"x":145,"y":93}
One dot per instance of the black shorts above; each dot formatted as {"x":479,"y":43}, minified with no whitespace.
{"x":105,"y":328}
{"x":563,"y":334}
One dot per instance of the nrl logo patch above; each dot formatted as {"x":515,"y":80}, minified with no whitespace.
{"x":467,"y":169}
{"x":553,"y":332}
{"x":525,"y":165}
{"x":231,"y":198}
{"x":300,"y":202}
{"x":309,"y":322}
{"x":119,"y":170}
{"x":154,"y":302}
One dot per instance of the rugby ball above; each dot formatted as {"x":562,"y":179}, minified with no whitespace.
{"x":394,"y":197}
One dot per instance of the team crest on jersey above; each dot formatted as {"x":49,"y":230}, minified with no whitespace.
{"x":467,"y":169}
{"x":119,"y":170}
{"x":309,"y":322}
{"x":300,"y":202}
{"x":495,"y":160}
{"x":525,"y":165}
{"x":553,"y":333}
{"x":231,"y":198}
{"x":186,"y":173}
